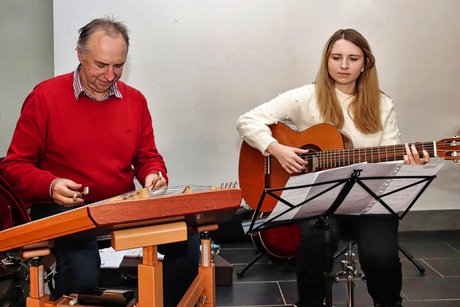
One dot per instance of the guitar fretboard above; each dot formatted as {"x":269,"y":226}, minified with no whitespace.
{"x":337,"y":158}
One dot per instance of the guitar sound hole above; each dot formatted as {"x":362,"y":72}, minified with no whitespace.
{"x":311,"y":158}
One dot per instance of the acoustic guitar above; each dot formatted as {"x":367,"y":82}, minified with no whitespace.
{"x":328,"y":148}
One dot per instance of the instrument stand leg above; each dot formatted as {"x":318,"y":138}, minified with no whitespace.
{"x":202,"y":291}
{"x":150,"y":278}
{"x":37,"y":296}
{"x":412,"y":259}
{"x":207,"y":268}
{"x":253,"y":260}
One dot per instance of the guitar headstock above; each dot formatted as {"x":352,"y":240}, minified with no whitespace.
{"x":449,"y":148}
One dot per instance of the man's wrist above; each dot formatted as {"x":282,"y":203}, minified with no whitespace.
{"x":53,"y":183}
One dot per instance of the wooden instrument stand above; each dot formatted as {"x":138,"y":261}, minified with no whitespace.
{"x":37,"y":296}
{"x":133,"y":221}
{"x":150,"y":283}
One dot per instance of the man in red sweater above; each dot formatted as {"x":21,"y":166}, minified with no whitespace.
{"x":89,"y":129}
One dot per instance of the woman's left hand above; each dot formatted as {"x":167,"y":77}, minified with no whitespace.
{"x":412,"y":156}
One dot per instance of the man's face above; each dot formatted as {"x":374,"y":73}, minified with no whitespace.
{"x":102,"y":63}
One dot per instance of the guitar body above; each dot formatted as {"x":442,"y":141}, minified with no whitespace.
{"x":280,"y":242}
{"x":257,"y":172}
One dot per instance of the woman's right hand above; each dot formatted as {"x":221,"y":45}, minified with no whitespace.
{"x":288,"y":157}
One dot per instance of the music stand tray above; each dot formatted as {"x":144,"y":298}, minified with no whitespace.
{"x":359,"y":189}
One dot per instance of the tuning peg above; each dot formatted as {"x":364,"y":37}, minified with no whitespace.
{"x":229,"y":185}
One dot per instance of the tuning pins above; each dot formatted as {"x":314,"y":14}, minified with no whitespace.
{"x":229,"y":185}
{"x":455,"y":153}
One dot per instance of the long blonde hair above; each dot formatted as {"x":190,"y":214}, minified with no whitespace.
{"x":365,"y":107}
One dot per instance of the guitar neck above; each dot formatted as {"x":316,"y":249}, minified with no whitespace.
{"x":336,"y":158}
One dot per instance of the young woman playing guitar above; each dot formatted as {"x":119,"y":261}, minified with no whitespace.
{"x":345,"y":95}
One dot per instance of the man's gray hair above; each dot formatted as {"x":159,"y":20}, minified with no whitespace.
{"x":110,"y":26}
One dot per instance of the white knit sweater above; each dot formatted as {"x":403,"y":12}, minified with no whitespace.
{"x":298,"y":109}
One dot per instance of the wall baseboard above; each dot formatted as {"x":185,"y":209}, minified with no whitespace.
{"x":431,"y":220}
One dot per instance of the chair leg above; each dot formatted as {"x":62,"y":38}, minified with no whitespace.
{"x":348,"y":275}
{"x":403,"y":250}
{"x":343,"y":250}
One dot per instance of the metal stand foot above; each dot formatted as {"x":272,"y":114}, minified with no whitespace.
{"x":412,"y":259}
{"x":257,"y":257}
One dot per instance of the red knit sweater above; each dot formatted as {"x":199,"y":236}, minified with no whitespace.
{"x":99,"y":144}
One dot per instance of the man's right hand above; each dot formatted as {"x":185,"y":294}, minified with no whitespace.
{"x":67,"y":193}
{"x":288,"y":157}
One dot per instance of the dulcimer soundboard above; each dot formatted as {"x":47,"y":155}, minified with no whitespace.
{"x":197,"y":205}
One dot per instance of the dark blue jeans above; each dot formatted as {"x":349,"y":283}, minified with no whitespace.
{"x":180,"y":266}
{"x":77,"y":259}
{"x":78,"y":262}
{"x":378,"y":251}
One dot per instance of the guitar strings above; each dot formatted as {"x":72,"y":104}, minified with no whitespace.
{"x":387,"y":153}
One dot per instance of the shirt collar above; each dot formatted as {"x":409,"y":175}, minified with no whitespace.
{"x":78,"y":88}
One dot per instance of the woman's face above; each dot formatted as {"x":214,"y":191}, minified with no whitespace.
{"x":345,"y":64}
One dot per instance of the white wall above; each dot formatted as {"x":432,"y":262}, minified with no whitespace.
{"x":203,"y":63}
{"x":26,"y":51}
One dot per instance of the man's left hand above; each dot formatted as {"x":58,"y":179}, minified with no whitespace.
{"x":155,"y":181}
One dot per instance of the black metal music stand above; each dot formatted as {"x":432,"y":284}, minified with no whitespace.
{"x":418,"y":184}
